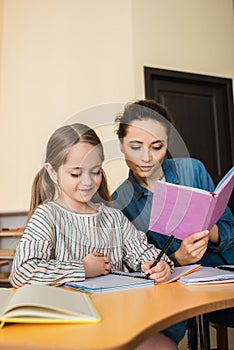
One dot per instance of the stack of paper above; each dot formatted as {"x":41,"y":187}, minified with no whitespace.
{"x":208,"y":275}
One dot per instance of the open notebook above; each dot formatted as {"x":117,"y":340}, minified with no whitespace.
{"x":44,"y":304}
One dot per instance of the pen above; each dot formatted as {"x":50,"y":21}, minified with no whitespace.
{"x":163,"y":251}
{"x":126,"y":274}
{"x":12,"y":229}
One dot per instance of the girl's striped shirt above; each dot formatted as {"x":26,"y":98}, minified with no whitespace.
{"x":56,"y":240}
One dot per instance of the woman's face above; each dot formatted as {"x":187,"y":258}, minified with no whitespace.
{"x":145,"y":147}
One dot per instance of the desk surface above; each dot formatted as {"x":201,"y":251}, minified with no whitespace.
{"x":128,"y":318}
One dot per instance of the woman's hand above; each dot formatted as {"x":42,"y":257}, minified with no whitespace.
{"x":214,"y":234}
{"x":95,"y":265}
{"x":160,"y":273}
{"x":192,"y":248}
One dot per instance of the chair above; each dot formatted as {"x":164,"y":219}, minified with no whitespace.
{"x":199,"y":334}
{"x":221,"y":336}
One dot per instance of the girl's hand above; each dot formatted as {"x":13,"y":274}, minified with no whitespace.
{"x":95,"y":265}
{"x":192,"y":248}
{"x":160,"y":273}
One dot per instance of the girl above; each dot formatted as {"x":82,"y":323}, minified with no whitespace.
{"x":71,"y":235}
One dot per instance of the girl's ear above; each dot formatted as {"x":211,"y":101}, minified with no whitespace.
{"x":52,"y":173}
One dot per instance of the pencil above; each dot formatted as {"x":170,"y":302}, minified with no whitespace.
{"x":163,"y":251}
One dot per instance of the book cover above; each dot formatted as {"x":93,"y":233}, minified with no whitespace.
{"x":45,"y":304}
{"x":183,"y":210}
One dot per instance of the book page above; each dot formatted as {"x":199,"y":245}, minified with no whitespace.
{"x":33,"y":312}
{"x":181,"y":271}
{"x":43,"y":298}
{"x":223,"y":194}
{"x":5,"y":296}
{"x":225,"y":181}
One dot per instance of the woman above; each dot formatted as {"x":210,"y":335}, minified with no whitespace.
{"x":144,"y":130}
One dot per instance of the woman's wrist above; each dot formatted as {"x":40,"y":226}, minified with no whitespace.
{"x":214,"y":235}
{"x":173,"y":258}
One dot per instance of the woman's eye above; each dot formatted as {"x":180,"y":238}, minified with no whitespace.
{"x":135,"y":148}
{"x":75,"y":175}
{"x":157,"y":148}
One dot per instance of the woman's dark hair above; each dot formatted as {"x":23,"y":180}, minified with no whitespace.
{"x":140,"y":110}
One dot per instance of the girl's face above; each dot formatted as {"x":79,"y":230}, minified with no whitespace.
{"x":80,"y":176}
{"x":145,"y":147}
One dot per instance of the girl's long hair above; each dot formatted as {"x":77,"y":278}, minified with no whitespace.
{"x":59,"y":144}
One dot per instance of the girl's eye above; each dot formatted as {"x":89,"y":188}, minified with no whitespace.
{"x":96,"y":172}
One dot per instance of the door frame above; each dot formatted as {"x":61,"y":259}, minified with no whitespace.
{"x":152,"y":74}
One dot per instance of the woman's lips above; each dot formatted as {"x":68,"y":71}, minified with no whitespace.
{"x":145,"y":168}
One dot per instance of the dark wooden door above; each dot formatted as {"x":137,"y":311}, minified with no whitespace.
{"x":202,"y":107}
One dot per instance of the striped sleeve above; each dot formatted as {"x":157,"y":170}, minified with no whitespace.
{"x":34,"y":261}
{"x":136,"y":248}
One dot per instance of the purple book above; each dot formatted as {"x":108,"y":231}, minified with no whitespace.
{"x":182,"y":210}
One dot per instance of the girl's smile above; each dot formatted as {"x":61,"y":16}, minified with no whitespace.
{"x":80,"y":177}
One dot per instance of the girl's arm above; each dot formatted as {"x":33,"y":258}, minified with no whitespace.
{"x":50,"y":252}
{"x":35,"y":260}
{"x":137,"y":251}
{"x":34,"y":263}
{"x":160,"y":273}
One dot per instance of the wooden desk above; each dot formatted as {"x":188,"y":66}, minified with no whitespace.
{"x":128,"y":318}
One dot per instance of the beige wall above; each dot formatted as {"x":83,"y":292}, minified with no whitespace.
{"x":184,"y":35}
{"x":59,"y":57}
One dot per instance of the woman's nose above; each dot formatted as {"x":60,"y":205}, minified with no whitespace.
{"x":146,"y":154}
